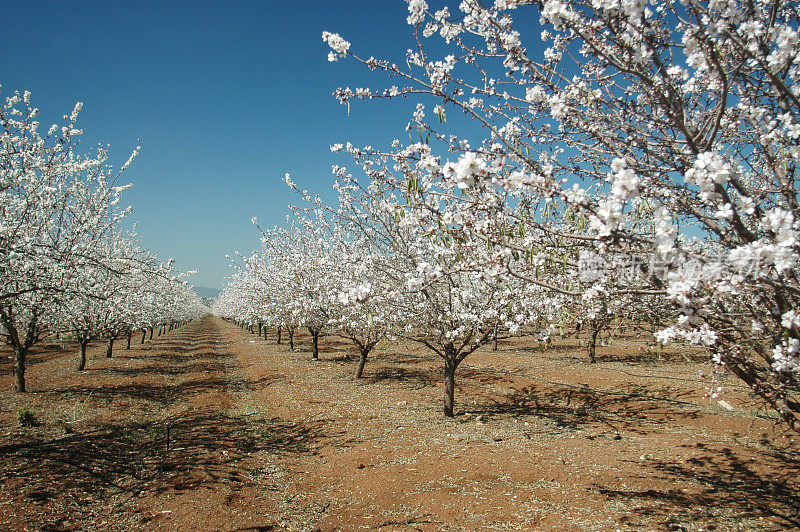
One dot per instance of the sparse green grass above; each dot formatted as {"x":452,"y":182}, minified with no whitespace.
{"x":26,"y":417}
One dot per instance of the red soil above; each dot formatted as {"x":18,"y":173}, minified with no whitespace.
{"x":213,"y":428}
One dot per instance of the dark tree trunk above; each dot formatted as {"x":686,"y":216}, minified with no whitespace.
{"x":314,"y":343}
{"x":259,"y":329}
{"x":362,"y":360}
{"x":494,"y":337}
{"x":449,"y":387}
{"x":151,"y":332}
{"x":596,"y":326}
{"x":291,"y":339}
{"x":130,"y":333}
{"x":82,"y":360}
{"x":21,"y":346}
{"x":144,"y":333}
{"x":592,"y":345}
{"x":110,"y":347}
{"x":20,"y":352}
{"x":279,"y":334}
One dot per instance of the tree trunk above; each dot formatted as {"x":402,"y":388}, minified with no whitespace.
{"x":110,"y":347}
{"x":592,"y":344}
{"x":315,"y":343}
{"x":144,"y":333}
{"x":291,"y":339}
{"x":362,"y":360}
{"x":82,"y":360}
{"x":494,"y":337}
{"x":130,"y":333}
{"x":151,"y":333}
{"x":279,"y":334}
{"x":449,"y":387}
{"x":259,"y":329}
{"x":18,"y":371}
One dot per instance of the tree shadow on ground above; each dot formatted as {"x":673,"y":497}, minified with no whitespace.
{"x":263,"y":382}
{"x":188,"y":343}
{"x":349,"y":355}
{"x":160,"y":393}
{"x":716,"y":482}
{"x":127,"y":460}
{"x":180,"y":357}
{"x":196,"y":366}
{"x":650,"y":357}
{"x":480,"y":375}
{"x":344,"y":358}
{"x":39,"y":354}
{"x":416,"y":378}
{"x":580,"y":405}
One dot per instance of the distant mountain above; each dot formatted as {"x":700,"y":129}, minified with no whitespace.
{"x":206,"y":292}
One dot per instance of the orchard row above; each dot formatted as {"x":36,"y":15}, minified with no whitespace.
{"x":68,"y":267}
{"x":569,"y":161}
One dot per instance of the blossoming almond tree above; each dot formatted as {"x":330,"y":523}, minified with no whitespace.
{"x":680,"y":114}
{"x":295,"y":260}
{"x":436,"y":295}
{"x":351,"y":278}
{"x":55,"y":206}
{"x":362,"y":311}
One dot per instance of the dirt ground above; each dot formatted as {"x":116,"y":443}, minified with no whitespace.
{"x":213,"y":428}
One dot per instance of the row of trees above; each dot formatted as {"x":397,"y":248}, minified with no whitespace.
{"x":645,"y":158}
{"x":381,"y":266}
{"x":66,"y":264}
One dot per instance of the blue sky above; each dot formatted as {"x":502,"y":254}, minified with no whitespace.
{"x":226,"y":97}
